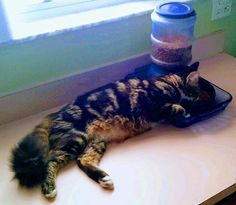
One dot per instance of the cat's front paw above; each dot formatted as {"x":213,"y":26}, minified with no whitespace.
{"x":178,"y":110}
{"x":49,"y":190}
{"x":106,"y":183}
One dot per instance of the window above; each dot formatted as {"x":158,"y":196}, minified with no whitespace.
{"x":26,"y":18}
{"x":16,"y":16}
{"x":30,"y":10}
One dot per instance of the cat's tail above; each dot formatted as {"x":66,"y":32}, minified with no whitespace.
{"x":29,"y":157}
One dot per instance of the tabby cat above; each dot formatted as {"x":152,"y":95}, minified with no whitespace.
{"x":81,"y":131}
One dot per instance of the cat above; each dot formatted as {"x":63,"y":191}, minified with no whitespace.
{"x":81,"y":130}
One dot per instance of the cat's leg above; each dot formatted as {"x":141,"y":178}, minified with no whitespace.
{"x":65,"y":146}
{"x":57,"y":160}
{"x":177,"y":109}
{"x":89,"y":161}
{"x":170,"y":110}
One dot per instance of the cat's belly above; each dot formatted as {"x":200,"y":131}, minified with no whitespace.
{"x":115,"y":129}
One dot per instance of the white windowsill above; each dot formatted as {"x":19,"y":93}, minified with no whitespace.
{"x":81,"y":20}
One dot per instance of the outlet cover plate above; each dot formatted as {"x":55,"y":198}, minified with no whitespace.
{"x":221,"y":8}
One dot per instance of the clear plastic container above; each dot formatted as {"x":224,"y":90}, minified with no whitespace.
{"x":172,"y":33}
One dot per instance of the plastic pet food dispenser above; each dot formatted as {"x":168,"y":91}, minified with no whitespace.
{"x":172,"y":34}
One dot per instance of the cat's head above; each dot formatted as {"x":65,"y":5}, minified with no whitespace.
{"x":187,"y":83}
{"x":191,"y":88}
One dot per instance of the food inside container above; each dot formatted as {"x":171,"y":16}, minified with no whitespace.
{"x":172,"y":33}
{"x":171,"y":50}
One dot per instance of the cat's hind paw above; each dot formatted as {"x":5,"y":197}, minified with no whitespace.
{"x":49,"y":190}
{"x":106,"y":183}
{"x":51,"y":195}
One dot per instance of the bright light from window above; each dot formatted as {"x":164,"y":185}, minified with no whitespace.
{"x":22,"y":15}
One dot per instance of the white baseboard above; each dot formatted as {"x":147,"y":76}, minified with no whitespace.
{"x":37,"y":99}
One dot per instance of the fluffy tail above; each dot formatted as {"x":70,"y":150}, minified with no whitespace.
{"x":29,"y":157}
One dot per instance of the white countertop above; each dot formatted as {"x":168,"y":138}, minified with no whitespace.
{"x":166,"y":166}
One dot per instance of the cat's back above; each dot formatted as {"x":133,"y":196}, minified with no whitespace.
{"x":122,"y":97}
{"x":129,"y":98}
{"x":114,"y":97}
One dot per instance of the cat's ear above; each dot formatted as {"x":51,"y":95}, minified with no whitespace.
{"x":192,"y":79}
{"x":194,"y":66}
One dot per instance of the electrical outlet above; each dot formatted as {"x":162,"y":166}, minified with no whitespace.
{"x":221,"y":8}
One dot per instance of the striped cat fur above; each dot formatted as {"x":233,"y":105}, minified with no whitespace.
{"x":81,"y":130}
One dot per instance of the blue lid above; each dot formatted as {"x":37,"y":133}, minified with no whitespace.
{"x":175,"y":10}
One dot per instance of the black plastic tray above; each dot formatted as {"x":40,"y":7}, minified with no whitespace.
{"x":198,"y":112}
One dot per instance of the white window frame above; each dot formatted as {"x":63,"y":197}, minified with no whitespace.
{"x":5,"y":34}
{"x":50,"y":4}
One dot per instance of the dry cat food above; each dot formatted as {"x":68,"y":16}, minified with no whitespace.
{"x":172,"y":50}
